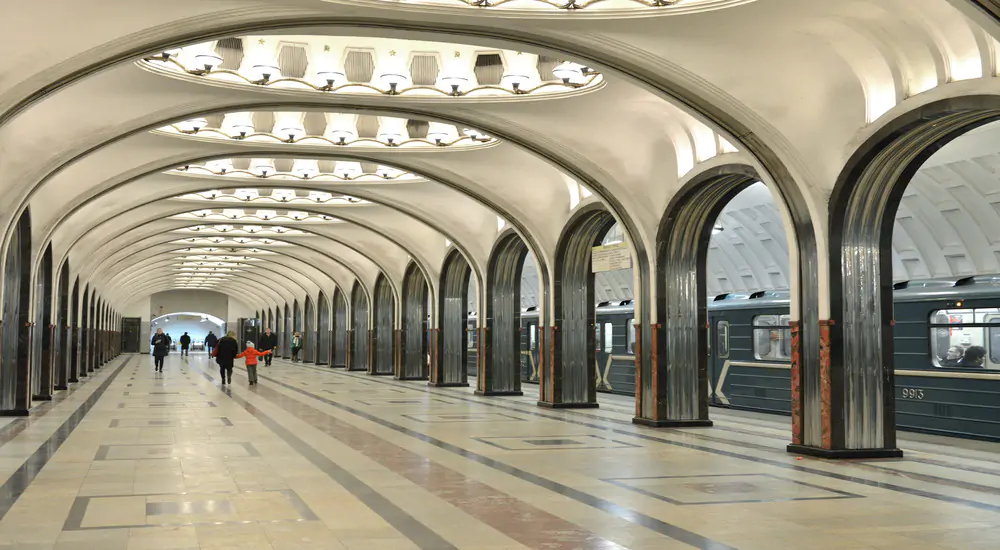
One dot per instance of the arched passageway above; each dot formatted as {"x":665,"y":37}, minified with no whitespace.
{"x":449,"y":344}
{"x":41,"y":361}
{"x":383,"y":336}
{"x":413,"y":365}
{"x":500,"y":335}
{"x":15,"y":398}
{"x":859,"y":384}
{"x":309,"y":336}
{"x":359,"y":337}
{"x":63,"y":336}
{"x":296,"y":324}
{"x":570,"y":382}
{"x":323,"y":336}
{"x":340,"y":330}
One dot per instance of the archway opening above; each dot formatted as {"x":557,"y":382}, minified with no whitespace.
{"x":74,"y":354}
{"x":62,"y":343}
{"x":196,"y":324}
{"x":42,"y":361}
{"x":614,"y":316}
{"x":289,"y":329}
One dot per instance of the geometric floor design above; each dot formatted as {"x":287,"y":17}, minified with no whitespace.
{"x":318,"y":458}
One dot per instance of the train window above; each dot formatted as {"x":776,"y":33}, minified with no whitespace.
{"x":609,"y":341}
{"x":772,"y":338}
{"x":722,"y":332}
{"x":631,"y":336}
{"x":965,"y":338}
{"x":532,"y":336}
{"x":597,"y":336}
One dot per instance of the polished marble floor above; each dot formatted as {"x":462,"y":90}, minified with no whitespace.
{"x":317,"y":458}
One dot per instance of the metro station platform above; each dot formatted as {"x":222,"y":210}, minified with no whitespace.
{"x":318,"y":458}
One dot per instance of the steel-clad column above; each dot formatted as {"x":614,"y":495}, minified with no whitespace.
{"x":15,"y":392}
{"x":359,"y":351}
{"x":500,"y":341}
{"x":414,"y":345}
{"x":449,"y":365}
{"x":41,"y":359}
{"x":569,"y":380}
{"x":858,"y":393}
{"x":383,"y":331}
{"x":339,"y":340}
{"x":61,"y":343}
{"x":323,"y":331}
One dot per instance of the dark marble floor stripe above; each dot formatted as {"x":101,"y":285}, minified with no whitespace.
{"x":19,"y":482}
{"x":417,"y":532}
{"x":21,"y":423}
{"x":627,"y":514}
{"x":721,"y":452}
{"x":521,"y":521}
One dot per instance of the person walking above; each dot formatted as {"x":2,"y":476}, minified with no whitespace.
{"x":160,"y":344}
{"x":170,"y":342}
{"x":225,"y":351}
{"x":268,"y":342}
{"x":210,"y":341}
{"x":296,"y":346}
{"x":185,"y":344}
{"x":251,"y":354}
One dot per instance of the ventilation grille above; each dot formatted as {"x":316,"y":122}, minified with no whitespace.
{"x":489,"y":69}
{"x":292,"y":61}
{"x":424,"y":70}
{"x":359,"y":66}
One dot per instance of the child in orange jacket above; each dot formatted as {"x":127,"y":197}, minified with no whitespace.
{"x":251,"y":354}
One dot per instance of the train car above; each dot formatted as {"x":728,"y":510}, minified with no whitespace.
{"x":750,"y":349}
{"x":614,"y":337}
{"x":946,"y":354}
{"x":472,"y":341}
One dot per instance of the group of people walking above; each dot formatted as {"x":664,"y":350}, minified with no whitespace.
{"x":226,"y":350}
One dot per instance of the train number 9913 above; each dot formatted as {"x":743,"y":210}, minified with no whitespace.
{"x":910,"y":393}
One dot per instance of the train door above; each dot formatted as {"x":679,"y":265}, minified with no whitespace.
{"x":604,"y":338}
{"x":718,"y":353}
{"x":529,"y":350}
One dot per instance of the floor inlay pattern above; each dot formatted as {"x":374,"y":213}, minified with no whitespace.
{"x":319,"y":458}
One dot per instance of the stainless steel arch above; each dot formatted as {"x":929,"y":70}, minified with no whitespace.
{"x":500,"y":335}
{"x":359,"y":337}
{"x":449,"y":344}
{"x":383,"y":336}
{"x":413,"y":355}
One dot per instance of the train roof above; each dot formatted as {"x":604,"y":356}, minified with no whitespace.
{"x":916,"y":290}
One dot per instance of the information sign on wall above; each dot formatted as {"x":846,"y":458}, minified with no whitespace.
{"x":610,"y":257}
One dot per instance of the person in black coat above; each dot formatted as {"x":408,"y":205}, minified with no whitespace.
{"x":185,"y":344}
{"x":210,"y":341}
{"x":160,"y":345}
{"x":268,"y":341}
{"x":226,"y":351}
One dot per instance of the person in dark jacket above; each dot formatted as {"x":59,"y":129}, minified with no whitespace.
{"x":185,"y":344}
{"x":210,"y":341}
{"x":170,"y":342}
{"x":225,"y":351}
{"x":268,"y":342}
{"x":160,"y":345}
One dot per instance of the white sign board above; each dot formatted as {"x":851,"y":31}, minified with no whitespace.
{"x":610,"y":257}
